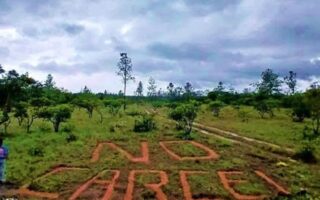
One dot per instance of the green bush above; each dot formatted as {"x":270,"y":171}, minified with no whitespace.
{"x":44,"y":127}
{"x":68,"y":128}
{"x":36,"y":152}
{"x":134,"y":113}
{"x":216,"y":106}
{"x":243,"y":115}
{"x":71,"y":137}
{"x":112,"y":129}
{"x":145,"y":124}
{"x":185,"y":115}
{"x":306,"y":154}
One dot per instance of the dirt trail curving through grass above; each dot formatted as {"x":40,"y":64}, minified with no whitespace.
{"x":259,"y":143}
{"x":274,"y":149}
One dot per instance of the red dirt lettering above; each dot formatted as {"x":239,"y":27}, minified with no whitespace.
{"x":272,"y":183}
{"x":154,"y":186}
{"x":211,"y":154}
{"x":186,"y":186}
{"x":229,"y":183}
{"x":109,"y":185}
{"x":144,"y":151}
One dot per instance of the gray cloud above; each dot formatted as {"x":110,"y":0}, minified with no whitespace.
{"x":73,"y":29}
{"x":174,"y":41}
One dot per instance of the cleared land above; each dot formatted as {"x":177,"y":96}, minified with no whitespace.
{"x":34,"y":159}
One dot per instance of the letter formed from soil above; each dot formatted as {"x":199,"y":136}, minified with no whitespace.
{"x":144,"y":152}
{"x":229,"y":183}
{"x":156,"y":187}
{"x":108,"y":184}
{"x":212,"y":155}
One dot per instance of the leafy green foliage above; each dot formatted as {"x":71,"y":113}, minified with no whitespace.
{"x":145,"y":124}
{"x":185,"y":115}
{"x":313,"y":100}
{"x":71,"y":137}
{"x":114,"y":106}
{"x":270,"y":83}
{"x":300,"y":109}
{"x":216,"y":106}
{"x":56,"y":115}
{"x":266,"y":107}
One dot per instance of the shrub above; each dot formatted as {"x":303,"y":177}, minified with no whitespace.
{"x":184,"y":115}
{"x":243,"y":115}
{"x":299,"y":112}
{"x":112,"y":129}
{"x":145,"y":124}
{"x":306,"y":154}
{"x":172,"y":105}
{"x":36,"y":151}
{"x":265,"y":107}
{"x":68,"y":128}
{"x":71,"y":137}
{"x":113,"y":105}
{"x":56,"y":114}
{"x":44,"y":127}
{"x":216,"y":106}
{"x":134,"y":113}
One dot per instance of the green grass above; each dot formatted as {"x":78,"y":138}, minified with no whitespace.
{"x":279,"y":130}
{"x":25,"y":167}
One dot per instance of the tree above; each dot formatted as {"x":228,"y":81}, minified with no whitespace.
{"x":49,"y":83}
{"x":270,"y":83}
{"x":139,"y":90}
{"x":27,"y":112}
{"x":185,"y":115}
{"x":86,"y":90}
{"x":220,"y":88}
{"x":170,"y":89}
{"x":291,"y":81}
{"x":87,"y":101}
{"x":113,"y":105}
{"x":56,"y":115}
{"x":12,"y":89}
{"x":313,"y":101}
{"x":21,"y":112}
{"x":125,"y":70}
{"x":188,"y":88}
{"x":300,"y":109}
{"x":216,"y":106}
{"x":178,"y":91}
{"x":1,"y":69}
{"x":264,"y":107}
{"x":152,"y":88}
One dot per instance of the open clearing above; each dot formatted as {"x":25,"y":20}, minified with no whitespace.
{"x":103,"y":164}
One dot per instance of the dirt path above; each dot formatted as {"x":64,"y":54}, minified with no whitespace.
{"x":259,"y":143}
{"x":277,"y":150}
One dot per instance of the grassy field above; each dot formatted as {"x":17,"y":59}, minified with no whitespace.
{"x":34,"y":154}
{"x":279,"y":130}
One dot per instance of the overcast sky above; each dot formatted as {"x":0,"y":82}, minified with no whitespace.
{"x":200,"y":41}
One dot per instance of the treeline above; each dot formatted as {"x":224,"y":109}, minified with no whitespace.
{"x":27,"y":100}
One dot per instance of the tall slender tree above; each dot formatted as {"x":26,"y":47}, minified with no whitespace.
{"x":170,"y":89}
{"x":291,"y":81}
{"x":49,"y":83}
{"x":125,"y":71}
{"x":152,"y":87}
{"x":139,"y":91}
{"x":270,"y":83}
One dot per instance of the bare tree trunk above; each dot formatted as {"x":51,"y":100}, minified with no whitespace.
{"x":56,"y":126}
{"x":124,"y":94}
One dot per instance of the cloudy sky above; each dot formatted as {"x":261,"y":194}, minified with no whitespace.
{"x":200,"y":41}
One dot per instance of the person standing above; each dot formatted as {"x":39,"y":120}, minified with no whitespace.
{"x":3,"y":156}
